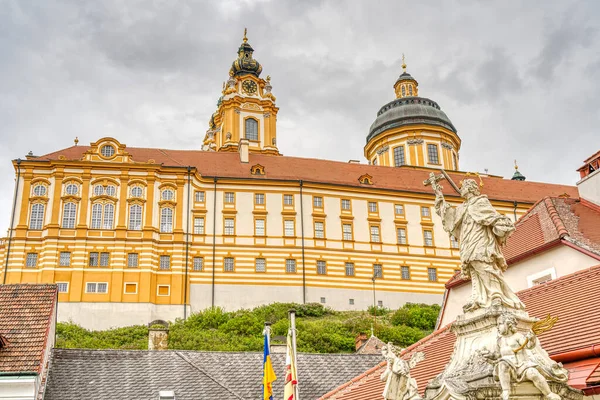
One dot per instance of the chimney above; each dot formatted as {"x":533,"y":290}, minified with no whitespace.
{"x":360,"y":340}
{"x":158,"y":335}
{"x":589,"y":185}
{"x":244,"y":150}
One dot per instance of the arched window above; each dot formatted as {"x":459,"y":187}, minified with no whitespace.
{"x":36,"y":219}
{"x":166,"y":220}
{"x":111,"y":190}
{"x":39,"y":190}
{"x":103,"y":216}
{"x":167,"y":194}
{"x":251,"y":129}
{"x":137,"y":191}
{"x":135,"y":217}
{"x":69,"y":215}
{"x":96,"y":216}
{"x":71,"y":189}
{"x":98,"y":190}
{"x":109,"y":216}
{"x":410,"y":90}
{"x":403,"y":91}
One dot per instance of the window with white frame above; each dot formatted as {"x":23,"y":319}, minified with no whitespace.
{"x":137,"y":191}
{"x":349,"y":269}
{"x":199,"y":196}
{"x":39,"y":190}
{"x":135,"y":217}
{"x":398,"y":209}
{"x":401,"y":233}
{"x":321,"y":267}
{"x":260,"y":265}
{"x":290,"y":265}
{"x":98,"y":190}
{"x":198,"y":263}
{"x":96,"y":287}
{"x":317,"y":202}
{"x":405,"y":272}
{"x":319,"y":230}
{"x":64,"y":259}
{"x":425,"y":212}
{"x":104,"y":259}
{"x":228,"y":264}
{"x":63,"y":287}
{"x":323,"y":300}
{"x":432,"y":153}
{"x":167,"y":194}
{"x":165,"y":262}
{"x":102,"y":287}
{"x":372,"y":207}
{"x":377,"y":270}
{"x":229,"y":226}
{"x":31,"y":260}
{"x":111,"y":190}
{"x":351,"y":302}
{"x":428,"y":237}
{"x":259,"y":227}
{"x":36,"y":219}
{"x":347,"y":231}
{"x":432,"y":274}
{"x":229,"y":197}
{"x":69,"y":215}
{"x":71,"y":189}
{"x":251,"y":131}
{"x":346,"y":204}
{"x":96,"y":216}
{"x":259,"y":198}
{"x":199,"y":225}
{"x":166,"y":220}
{"x":107,"y":151}
{"x":103,"y":216}
{"x":375,"y":237}
{"x":399,"y":156}
{"x":133,"y":260}
{"x":288,"y":199}
{"x":109,"y":216}
{"x":288,"y":227}
{"x":93,"y":259}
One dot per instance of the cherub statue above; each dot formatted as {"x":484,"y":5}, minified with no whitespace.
{"x":398,"y":383}
{"x":516,"y":360}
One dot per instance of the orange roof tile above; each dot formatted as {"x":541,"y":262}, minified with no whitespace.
{"x":572,"y":298}
{"x":26,"y":313}
{"x":406,"y":178}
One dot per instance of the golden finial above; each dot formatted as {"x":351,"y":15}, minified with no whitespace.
{"x":76,"y":140}
{"x":403,"y":63}
{"x":516,"y":166}
{"x":245,"y":32}
{"x":268,"y":78}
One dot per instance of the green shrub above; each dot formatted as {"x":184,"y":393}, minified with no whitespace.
{"x":422,"y":316}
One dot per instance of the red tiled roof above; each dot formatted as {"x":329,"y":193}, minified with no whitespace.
{"x":26,"y":313}
{"x":545,"y":224}
{"x":574,"y":299}
{"x":406,"y":178}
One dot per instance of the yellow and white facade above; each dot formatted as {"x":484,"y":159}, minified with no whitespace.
{"x":135,"y":234}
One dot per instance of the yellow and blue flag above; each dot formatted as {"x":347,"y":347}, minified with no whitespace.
{"x":268,"y":372}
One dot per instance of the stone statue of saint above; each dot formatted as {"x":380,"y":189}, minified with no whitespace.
{"x":481,"y":231}
{"x":398,"y":383}
{"x":519,"y":358}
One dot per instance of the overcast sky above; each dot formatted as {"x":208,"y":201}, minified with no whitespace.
{"x":519,"y":79}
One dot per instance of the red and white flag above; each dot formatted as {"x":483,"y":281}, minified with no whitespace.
{"x":291,"y":377}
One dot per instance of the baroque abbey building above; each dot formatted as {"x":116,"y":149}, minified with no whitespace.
{"x":135,"y":234}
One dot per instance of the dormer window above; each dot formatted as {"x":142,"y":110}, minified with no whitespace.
{"x":39,"y":190}
{"x":366,"y":179}
{"x":107,"y":151}
{"x":257,"y":170}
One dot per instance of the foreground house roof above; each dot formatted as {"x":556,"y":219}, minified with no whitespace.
{"x":574,"y":340}
{"x":550,"y":222}
{"x":406,"y":178}
{"x":110,"y":374}
{"x":26,"y":318}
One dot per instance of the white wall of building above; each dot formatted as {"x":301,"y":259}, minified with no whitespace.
{"x":589,"y":187}
{"x":18,"y":387}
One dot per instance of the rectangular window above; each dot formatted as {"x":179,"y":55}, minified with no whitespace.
{"x":229,"y":226}
{"x":163,"y":290}
{"x":130,"y":288}
{"x":96,"y":216}
{"x":64,"y":259}
{"x":432,"y":153}
{"x":69,"y":214}
{"x":94,"y":257}
{"x":375,"y":234}
{"x":347,"y":230}
{"x":377,"y":271}
{"x":399,"y":156}
{"x":321,"y":267}
{"x":109,"y":216}
{"x":199,"y":225}
{"x":104,"y":259}
{"x":432,"y":274}
{"x":322,"y":300}
{"x":228,"y":264}
{"x":453,"y":242}
{"x":288,"y":199}
{"x":428,"y":237}
{"x":398,"y":209}
{"x":198,"y":263}
{"x":259,"y":198}
{"x":165,"y":262}
{"x":349,"y":269}
{"x":288,"y":227}
{"x":425,"y":212}
{"x":63,"y":287}
{"x":290,"y":265}
{"x":317,"y":202}
{"x":166,"y":220}
{"x":90,"y":287}
{"x":36,"y":219}
{"x":96,"y":287}
{"x":346,"y":205}
{"x":405,"y":273}
{"x":259,"y":227}
{"x":31,"y":260}
{"x":351,"y":302}
{"x":251,"y":131}
{"x":379,"y":303}
{"x":260,"y":265}
{"x":229,"y":197}
{"x":132,"y":260}
{"x":319,"y":230}
{"x":199,"y":197}
{"x":372,"y":207}
{"x":401,"y":235}
{"x":135,"y":217}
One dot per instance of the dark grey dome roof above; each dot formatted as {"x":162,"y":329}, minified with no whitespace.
{"x":405,"y":77}
{"x":409,"y":111}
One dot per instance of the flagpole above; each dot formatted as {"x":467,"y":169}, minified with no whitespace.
{"x":267,"y":331}
{"x":294,"y":353}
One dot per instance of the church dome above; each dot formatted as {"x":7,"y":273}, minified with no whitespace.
{"x":409,"y":111}
{"x":245,"y":64}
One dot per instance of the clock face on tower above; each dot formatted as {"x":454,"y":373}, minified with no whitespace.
{"x":249,"y":86}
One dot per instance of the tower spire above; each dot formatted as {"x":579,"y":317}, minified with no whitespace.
{"x":403,"y":63}
{"x":245,"y":38}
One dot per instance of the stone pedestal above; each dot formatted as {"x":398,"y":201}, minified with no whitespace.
{"x":470,"y":375}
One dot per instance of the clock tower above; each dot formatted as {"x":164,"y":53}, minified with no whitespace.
{"x":246,"y":109}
